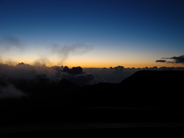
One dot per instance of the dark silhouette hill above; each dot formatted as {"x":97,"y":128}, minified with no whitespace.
{"x":65,"y":101}
{"x":142,"y":89}
{"x":154,"y":79}
{"x":155,"y":87}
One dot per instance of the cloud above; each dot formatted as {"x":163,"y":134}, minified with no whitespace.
{"x":33,"y":73}
{"x":176,"y":59}
{"x":42,"y":61}
{"x":10,"y":92}
{"x":11,"y":44}
{"x":23,"y":71}
{"x":179,"y":59}
{"x":73,"y":71}
{"x":80,"y":79}
{"x":111,"y":75}
{"x":22,"y":79}
{"x":171,"y":62}
{"x":162,"y":61}
{"x":64,"y":51}
{"x":119,"y":68}
{"x":7,"y":42}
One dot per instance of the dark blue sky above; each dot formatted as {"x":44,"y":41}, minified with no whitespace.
{"x":126,"y":32}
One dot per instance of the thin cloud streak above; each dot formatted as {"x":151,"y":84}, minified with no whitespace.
{"x":63,"y":52}
{"x":8,"y":42}
{"x":162,"y":61}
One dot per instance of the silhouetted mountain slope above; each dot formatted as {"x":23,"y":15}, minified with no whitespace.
{"x":142,"y":89}
{"x":66,"y":84}
{"x":155,"y":79}
{"x":61,"y":101}
{"x":155,"y":87}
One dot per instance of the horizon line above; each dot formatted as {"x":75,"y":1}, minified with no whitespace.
{"x":109,"y":67}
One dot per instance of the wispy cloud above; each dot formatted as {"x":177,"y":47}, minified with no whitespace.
{"x":7,"y":42}
{"x":10,"y":92}
{"x":63,"y":52}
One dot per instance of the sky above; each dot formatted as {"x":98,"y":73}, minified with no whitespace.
{"x":92,"y":33}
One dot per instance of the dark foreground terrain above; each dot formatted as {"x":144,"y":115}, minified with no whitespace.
{"x":146,"y":101}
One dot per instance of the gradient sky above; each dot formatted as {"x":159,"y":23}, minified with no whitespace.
{"x":131,"y":33}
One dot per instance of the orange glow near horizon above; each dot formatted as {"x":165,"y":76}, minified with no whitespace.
{"x":89,"y":61}
{"x":92,"y":63}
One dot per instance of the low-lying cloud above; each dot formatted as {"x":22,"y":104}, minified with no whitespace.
{"x":27,"y":76}
{"x":23,"y":79}
{"x":110,"y":75}
{"x":10,"y":91}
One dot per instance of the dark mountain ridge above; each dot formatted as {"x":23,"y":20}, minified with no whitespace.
{"x":150,"y":77}
{"x":164,"y":88}
{"x":66,"y":101}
